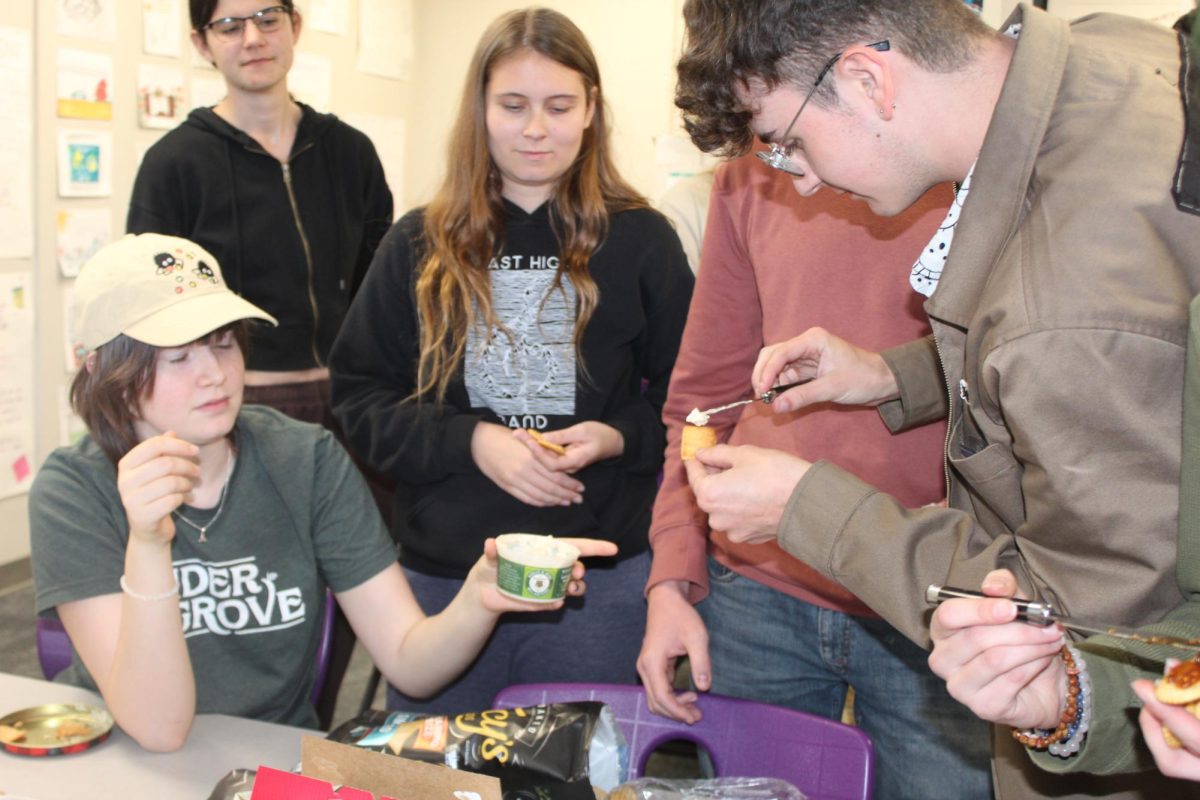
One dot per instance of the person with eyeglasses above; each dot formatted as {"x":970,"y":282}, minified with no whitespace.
{"x":291,"y":200}
{"x":1057,"y":290}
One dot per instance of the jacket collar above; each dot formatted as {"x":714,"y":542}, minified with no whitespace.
{"x":313,"y":125}
{"x":1006,"y":162}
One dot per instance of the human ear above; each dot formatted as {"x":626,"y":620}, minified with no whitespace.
{"x":200,"y":42}
{"x":296,"y":24}
{"x":868,"y":73}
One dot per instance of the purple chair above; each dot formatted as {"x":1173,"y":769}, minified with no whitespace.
{"x":824,"y":759}
{"x":55,"y":653}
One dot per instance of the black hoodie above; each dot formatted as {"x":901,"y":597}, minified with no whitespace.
{"x":294,"y":239}
{"x":444,"y":505}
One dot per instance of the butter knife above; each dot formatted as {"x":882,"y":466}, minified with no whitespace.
{"x":766,"y":397}
{"x":1043,"y":614}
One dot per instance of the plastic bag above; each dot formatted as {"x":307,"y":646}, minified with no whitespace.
{"x":560,"y":741}
{"x":711,"y":789}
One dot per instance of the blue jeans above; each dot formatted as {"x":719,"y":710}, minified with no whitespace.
{"x":769,"y":646}
{"x":594,"y":639}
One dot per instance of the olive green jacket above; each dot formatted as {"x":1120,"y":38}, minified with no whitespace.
{"x":1060,"y":326}
{"x":1114,"y":743}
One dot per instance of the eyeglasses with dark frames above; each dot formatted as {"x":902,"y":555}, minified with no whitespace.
{"x":267,"y":20}
{"x":779,"y":156}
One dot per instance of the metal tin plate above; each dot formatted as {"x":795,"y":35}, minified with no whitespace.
{"x":53,"y":730}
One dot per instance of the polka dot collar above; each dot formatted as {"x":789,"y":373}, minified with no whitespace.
{"x":927,"y":270}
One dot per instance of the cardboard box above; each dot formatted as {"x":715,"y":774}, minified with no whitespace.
{"x":335,"y":770}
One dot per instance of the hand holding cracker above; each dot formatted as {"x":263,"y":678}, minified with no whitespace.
{"x":1180,"y":686}
{"x":1176,"y":751}
{"x":579,"y":445}
{"x":546,"y":443}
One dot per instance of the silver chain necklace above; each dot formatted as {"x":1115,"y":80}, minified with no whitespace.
{"x":220,"y":503}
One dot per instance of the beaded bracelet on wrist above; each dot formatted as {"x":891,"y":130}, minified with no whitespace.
{"x":1072,"y":725}
{"x":1079,"y":728}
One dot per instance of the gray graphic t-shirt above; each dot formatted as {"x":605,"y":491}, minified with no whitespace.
{"x":529,"y":375}
{"x":297,"y":518}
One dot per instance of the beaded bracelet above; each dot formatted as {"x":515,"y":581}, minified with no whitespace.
{"x":1079,"y":728}
{"x":174,"y":590}
{"x":1042,"y":738}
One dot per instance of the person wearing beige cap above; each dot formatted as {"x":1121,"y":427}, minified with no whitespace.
{"x":187,"y":541}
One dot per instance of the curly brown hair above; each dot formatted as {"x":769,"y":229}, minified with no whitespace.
{"x":733,"y":42}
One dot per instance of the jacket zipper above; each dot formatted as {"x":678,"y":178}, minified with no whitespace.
{"x":949,"y":417}
{"x":312,"y":298}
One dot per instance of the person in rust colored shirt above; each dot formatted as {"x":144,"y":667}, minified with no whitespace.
{"x":773,"y":264}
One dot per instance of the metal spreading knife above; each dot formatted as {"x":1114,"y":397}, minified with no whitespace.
{"x":766,"y":397}
{"x":1043,"y":614}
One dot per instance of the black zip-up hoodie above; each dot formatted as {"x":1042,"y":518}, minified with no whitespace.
{"x":294,"y":238}
{"x":444,"y":506}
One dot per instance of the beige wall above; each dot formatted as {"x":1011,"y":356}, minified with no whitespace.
{"x":14,"y":521}
{"x":635,"y":44}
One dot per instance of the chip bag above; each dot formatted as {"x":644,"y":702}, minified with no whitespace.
{"x":567,"y":742}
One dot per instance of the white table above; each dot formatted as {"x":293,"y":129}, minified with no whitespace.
{"x":119,"y":769}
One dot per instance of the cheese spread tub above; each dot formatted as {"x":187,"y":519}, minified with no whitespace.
{"x":533,"y":567}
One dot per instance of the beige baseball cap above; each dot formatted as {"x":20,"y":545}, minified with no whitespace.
{"x":161,"y":290}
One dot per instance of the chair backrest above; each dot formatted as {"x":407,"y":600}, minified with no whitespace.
{"x":55,"y":653}
{"x":824,"y":759}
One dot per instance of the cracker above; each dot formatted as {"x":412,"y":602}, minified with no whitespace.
{"x":1181,"y":684}
{"x":9,"y":734}
{"x":546,"y":443}
{"x":72,"y":728}
{"x":1180,"y":687}
{"x":696,"y":438}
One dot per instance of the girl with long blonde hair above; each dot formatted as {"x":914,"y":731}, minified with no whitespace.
{"x":508,"y":356}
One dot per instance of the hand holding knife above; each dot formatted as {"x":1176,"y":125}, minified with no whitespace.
{"x":766,"y":397}
{"x":1043,"y":614}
